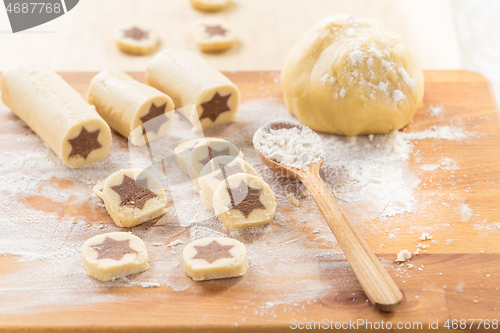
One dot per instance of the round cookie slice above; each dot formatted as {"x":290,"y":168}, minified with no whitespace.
{"x":183,"y":151}
{"x":135,"y":39}
{"x":206,"y":150}
{"x":133,"y":196}
{"x":114,"y":255}
{"x":214,"y":173}
{"x":243,"y":201}
{"x":213,"y":36}
{"x":215,"y":258}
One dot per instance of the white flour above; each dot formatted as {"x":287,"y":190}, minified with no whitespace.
{"x":294,"y":145}
{"x":43,"y":204}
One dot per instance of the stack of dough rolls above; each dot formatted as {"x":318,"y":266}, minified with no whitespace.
{"x":57,"y":113}
{"x":127,"y":105}
{"x":201,"y":93}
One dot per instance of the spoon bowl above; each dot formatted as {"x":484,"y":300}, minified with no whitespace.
{"x":374,"y":279}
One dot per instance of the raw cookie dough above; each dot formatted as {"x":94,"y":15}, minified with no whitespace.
{"x":209,"y":5}
{"x":243,"y":201}
{"x":114,"y":255}
{"x":215,"y":258}
{"x":183,"y":151}
{"x":214,"y":173}
{"x":213,"y":36}
{"x":133,"y":196}
{"x":201,"y":93}
{"x":127,"y":105}
{"x":57,"y":113}
{"x":352,"y":76}
{"x":98,"y":189}
{"x":204,"y":151}
{"x":136,"y":39}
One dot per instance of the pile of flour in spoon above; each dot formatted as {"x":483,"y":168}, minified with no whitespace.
{"x":289,"y":143}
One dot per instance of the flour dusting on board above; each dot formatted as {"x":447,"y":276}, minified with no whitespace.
{"x":43,"y":204}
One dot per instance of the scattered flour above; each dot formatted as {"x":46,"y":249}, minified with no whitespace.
{"x":466,"y":213}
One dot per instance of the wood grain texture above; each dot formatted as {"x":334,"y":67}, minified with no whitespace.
{"x":460,"y":272}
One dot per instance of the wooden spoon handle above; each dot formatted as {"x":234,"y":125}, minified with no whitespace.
{"x":374,"y":279}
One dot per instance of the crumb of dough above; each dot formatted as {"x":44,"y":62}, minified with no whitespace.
{"x":422,"y":246}
{"x":305,"y":193}
{"x":416,"y":252}
{"x":410,"y":266}
{"x":425,"y":236}
{"x":403,"y":255}
{"x":293,"y":199}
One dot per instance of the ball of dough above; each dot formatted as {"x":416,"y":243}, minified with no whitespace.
{"x":352,"y":76}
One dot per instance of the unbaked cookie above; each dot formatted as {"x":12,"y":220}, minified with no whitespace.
{"x":215,"y":258}
{"x":98,"y":189}
{"x":209,"y":5}
{"x":214,"y":173}
{"x":136,"y":39}
{"x":213,"y":36}
{"x":183,"y":151}
{"x":114,"y":255}
{"x":243,"y":201}
{"x":204,"y":151}
{"x":133,"y":196}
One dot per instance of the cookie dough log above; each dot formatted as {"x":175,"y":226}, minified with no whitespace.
{"x":200,"y":93}
{"x":114,"y":255}
{"x":214,"y":173}
{"x":183,"y":152}
{"x":213,"y":36}
{"x":205,"y":151}
{"x":136,"y":39}
{"x":215,"y":258}
{"x":133,"y":196}
{"x":127,"y":105}
{"x":243,"y":201}
{"x":209,"y":5}
{"x":57,"y":113}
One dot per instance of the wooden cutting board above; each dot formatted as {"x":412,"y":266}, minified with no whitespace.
{"x":301,"y":276}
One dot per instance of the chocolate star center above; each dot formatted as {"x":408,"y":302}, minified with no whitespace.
{"x":214,"y":107}
{"x":158,"y":114}
{"x":133,"y":193}
{"x":213,"y":30}
{"x":113,"y":249}
{"x":213,"y":153}
{"x":136,"y":33}
{"x":245,"y":199}
{"x":213,"y":252}
{"x":84,"y":143}
{"x":228,"y":170}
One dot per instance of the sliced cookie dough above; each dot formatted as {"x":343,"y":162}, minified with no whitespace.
{"x":183,"y":152}
{"x":99,"y":188}
{"x":205,"y":151}
{"x":209,"y":5}
{"x":114,"y":255}
{"x":214,"y":173}
{"x":215,"y":258}
{"x":133,"y":196}
{"x":135,"y":110}
{"x":243,"y":201}
{"x":201,"y":93}
{"x":213,"y":36}
{"x":136,"y":39}
{"x":57,"y":113}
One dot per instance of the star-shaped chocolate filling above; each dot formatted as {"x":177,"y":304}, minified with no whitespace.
{"x":213,"y":153}
{"x":245,"y":199}
{"x":113,"y":249}
{"x":136,"y":33}
{"x":228,"y":170}
{"x":213,"y":30}
{"x":158,"y":114}
{"x":84,"y":143}
{"x":214,"y":107}
{"x":133,"y":193}
{"x":213,"y":252}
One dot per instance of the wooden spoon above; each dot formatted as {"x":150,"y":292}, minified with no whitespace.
{"x":374,"y":279}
